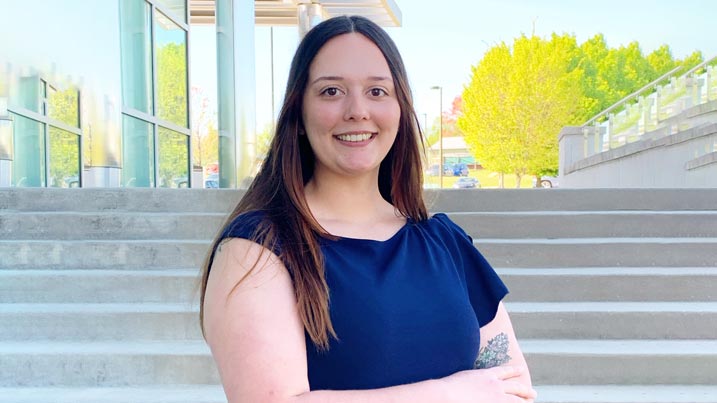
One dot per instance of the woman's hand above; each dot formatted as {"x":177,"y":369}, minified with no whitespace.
{"x":492,"y":385}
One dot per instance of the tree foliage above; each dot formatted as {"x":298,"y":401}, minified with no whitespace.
{"x":521,"y":95}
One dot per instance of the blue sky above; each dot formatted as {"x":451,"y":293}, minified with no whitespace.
{"x":440,"y":41}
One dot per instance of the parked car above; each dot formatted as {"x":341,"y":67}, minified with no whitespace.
{"x":211,"y":181}
{"x":546,"y":182}
{"x":466,"y":182}
{"x":460,"y":169}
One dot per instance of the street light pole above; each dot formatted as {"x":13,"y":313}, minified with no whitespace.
{"x":440,"y":134}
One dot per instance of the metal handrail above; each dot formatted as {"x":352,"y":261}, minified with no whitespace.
{"x":633,"y":95}
{"x":649,"y":86}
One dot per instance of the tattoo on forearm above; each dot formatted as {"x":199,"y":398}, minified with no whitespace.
{"x":495,"y":353}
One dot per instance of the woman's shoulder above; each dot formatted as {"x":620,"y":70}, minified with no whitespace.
{"x":442,"y":222}
{"x":245,"y":225}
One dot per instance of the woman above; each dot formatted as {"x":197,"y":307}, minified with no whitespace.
{"x":329,"y":282}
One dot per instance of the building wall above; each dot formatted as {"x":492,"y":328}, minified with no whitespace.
{"x":66,"y":75}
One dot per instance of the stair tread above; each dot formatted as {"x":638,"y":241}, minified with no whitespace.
{"x":596,"y":240}
{"x":627,"y":394}
{"x":89,"y":308}
{"x":608,"y":271}
{"x":144,"y":394}
{"x":682,"y":307}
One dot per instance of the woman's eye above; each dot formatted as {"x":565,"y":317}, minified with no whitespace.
{"x":377,"y":92}
{"x":331,"y":91}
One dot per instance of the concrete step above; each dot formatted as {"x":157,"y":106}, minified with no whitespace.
{"x":163,"y":321}
{"x":449,"y":200}
{"x":69,"y":226}
{"x":596,"y":224}
{"x":127,"y":394}
{"x":99,"y":286}
{"x":621,"y":362}
{"x":203,"y":226}
{"x":626,"y":394}
{"x":124,"y":199}
{"x":576,"y":284}
{"x":106,"y":364}
{"x":91,"y":322}
{"x":106,"y":254}
{"x":600,"y":252}
{"x":605,"y":252}
{"x":627,"y":284}
{"x":614,"y":320}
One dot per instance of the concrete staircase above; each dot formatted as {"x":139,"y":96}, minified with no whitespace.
{"x":613,"y":292}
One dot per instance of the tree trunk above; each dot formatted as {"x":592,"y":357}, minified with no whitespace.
{"x":518,"y":177}
{"x":500,"y":180}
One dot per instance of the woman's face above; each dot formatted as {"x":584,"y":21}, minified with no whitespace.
{"x":350,"y":109}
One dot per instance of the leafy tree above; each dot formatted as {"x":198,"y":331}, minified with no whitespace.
{"x":518,"y":99}
{"x":64,"y":147}
{"x":205,"y":136}
{"x":172,"y":106}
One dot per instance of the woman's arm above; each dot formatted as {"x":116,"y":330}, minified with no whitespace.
{"x":499,"y":346}
{"x":255,"y":334}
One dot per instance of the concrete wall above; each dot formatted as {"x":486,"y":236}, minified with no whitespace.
{"x":660,"y":159}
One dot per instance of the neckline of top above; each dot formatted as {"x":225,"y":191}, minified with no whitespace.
{"x":401,"y":230}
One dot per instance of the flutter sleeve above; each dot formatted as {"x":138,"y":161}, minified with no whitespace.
{"x":485,"y":289}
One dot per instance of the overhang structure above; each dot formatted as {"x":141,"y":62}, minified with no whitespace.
{"x":284,"y":12}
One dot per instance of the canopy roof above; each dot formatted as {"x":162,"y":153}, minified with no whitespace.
{"x":283,"y":12}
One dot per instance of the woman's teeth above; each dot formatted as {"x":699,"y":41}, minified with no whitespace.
{"x":354,"y":137}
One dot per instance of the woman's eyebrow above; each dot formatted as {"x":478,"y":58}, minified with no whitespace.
{"x":339,"y":78}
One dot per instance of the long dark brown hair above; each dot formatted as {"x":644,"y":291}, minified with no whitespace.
{"x":278,"y":189}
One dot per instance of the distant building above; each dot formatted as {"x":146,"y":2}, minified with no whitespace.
{"x":96,"y":93}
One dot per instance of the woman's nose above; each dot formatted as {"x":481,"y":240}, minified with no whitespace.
{"x":356,"y":107}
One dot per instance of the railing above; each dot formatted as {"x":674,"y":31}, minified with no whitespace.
{"x":651,"y":108}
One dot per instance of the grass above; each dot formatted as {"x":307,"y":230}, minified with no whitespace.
{"x":487,"y":180}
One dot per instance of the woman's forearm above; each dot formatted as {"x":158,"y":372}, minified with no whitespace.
{"x":429,"y":391}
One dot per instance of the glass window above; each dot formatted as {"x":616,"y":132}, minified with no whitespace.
{"x":137,"y":153}
{"x":64,"y":158}
{"x":171,"y":54}
{"x":173,"y":159}
{"x":29,"y":163}
{"x":31,"y":93}
{"x":178,"y":8}
{"x":136,"y":44}
{"x":64,"y":106}
{"x":6,"y":140}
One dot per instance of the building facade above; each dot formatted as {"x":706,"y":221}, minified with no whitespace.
{"x":96,"y":93}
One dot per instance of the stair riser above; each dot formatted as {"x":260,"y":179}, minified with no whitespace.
{"x":80,"y":255}
{"x":599,"y":254}
{"x":185,"y":326}
{"x":59,"y":287}
{"x":92,"y":370}
{"x":108,"y":289}
{"x":614,"y":325}
{"x":598,"y":369}
{"x":131,"y":326}
{"x":108,"y":255}
{"x":135,"y":200}
{"x":587,"y":226}
{"x":567,"y":288}
{"x":107,"y":226}
{"x":223,"y":200}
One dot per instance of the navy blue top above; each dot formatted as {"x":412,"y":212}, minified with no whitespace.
{"x":405,"y":310}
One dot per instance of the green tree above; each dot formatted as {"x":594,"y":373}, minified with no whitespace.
{"x":172,"y":106}
{"x":64,"y":147}
{"x":518,"y":99}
